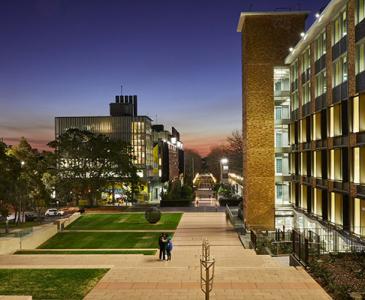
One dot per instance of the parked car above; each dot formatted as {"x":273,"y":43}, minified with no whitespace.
{"x":30,"y":216}
{"x":54,"y":212}
{"x":81,"y":210}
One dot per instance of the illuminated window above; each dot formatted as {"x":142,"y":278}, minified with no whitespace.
{"x":335,"y":167}
{"x":281,"y":112}
{"x":281,"y":136}
{"x":295,"y":100}
{"x":294,"y":71}
{"x":320,"y":45}
{"x":358,"y":165}
{"x":316,"y":127}
{"x":336,"y":211}
{"x":339,"y":71}
{"x":335,"y":121}
{"x":317,"y":202}
{"x":306,"y":90}
{"x":360,"y":11}
{"x":339,"y":28}
{"x":303,"y":196}
{"x":279,"y":166}
{"x":303,"y":131}
{"x":292,"y":134}
{"x":306,"y":60}
{"x":358,"y":113}
{"x":359,"y":216}
{"x":317,"y":164}
{"x":321,"y":84}
{"x":303,"y":164}
{"x":360,"y":58}
{"x":281,"y":80}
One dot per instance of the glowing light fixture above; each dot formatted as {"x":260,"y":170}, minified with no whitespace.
{"x":224,"y":161}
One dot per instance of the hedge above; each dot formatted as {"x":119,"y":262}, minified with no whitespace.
{"x":175,"y":203}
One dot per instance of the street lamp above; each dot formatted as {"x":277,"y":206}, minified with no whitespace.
{"x":224,"y":161}
{"x":224,"y":170}
{"x":22,"y":162}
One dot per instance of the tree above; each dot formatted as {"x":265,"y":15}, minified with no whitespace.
{"x":193,"y":165}
{"x":213,"y":159}
{"x":31,"y":191}
{"x":86,"y":163}
{"x":10,"y":171}
{"x":234,"y":151}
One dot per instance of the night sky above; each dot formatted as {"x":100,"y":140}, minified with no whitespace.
{"x":69,"y":57}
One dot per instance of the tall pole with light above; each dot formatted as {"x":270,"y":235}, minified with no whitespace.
{"x":224,"y":170}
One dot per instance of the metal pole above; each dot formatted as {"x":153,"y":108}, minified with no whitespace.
{"x":206,"y":283}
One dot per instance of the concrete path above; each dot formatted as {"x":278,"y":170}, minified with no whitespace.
{"x":239,"y":273}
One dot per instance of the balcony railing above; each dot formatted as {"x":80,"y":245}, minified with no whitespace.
{"x":340,"y":186}
{"x":360,"y":189}
{"x":321,"y":102}
{"x":360,"y":138}
{"x":321,"y":144}
{"x":340,"y":141}
{"x":321,"y":182}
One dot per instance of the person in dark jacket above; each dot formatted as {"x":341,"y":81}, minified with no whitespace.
{"x":162,"y":242}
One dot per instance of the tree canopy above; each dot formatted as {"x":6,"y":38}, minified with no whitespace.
{"x":86,"y":163}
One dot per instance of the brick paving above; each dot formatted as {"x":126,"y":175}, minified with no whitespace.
{"x":239,"y":272}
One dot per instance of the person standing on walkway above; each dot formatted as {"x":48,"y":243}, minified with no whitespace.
{"x":169,"y":248}
{"x":162,"y":241}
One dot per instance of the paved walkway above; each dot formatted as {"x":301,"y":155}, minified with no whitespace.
{"x":239,"y":274}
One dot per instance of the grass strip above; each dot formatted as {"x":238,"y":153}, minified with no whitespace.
{"x":103,"y":240}
{"x":70,"y":284}
{"x":144,"y":252}
{"x":125,"y":221}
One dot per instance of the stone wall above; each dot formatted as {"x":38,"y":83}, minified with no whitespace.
{"x":38,"y":236}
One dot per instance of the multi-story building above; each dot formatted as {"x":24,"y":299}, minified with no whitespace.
{"x":325,"y":70}
{"x":266,"y":36}
{"x":168,"y":153}
{"x":327,"y":129}
{"x":125,"y":124}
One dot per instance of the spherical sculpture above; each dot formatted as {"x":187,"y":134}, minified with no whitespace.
{"x":153,"y":215}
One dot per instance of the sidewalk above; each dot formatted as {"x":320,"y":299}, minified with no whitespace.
{"x":239,"y":273}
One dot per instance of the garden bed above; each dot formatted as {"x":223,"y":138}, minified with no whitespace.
{"x":176,"y":203}
{"x":340,"y":274}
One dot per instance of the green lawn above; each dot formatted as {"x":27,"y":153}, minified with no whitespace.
{"x":70,"y":284}
{"x":144,"y":252}
{"x":102,"y":240}
{"x":128,"y":221}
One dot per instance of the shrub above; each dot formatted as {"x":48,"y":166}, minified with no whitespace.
{"x":153,"y":215}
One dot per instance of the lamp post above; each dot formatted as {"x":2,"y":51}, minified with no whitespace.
{"x":224,"y":170}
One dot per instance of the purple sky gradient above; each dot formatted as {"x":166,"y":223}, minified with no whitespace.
{"x":69,"y":57}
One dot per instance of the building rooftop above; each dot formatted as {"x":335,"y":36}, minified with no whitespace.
{"x":131,"y":117}
{"x":331,"y":10}
{"x":266,"y":13}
